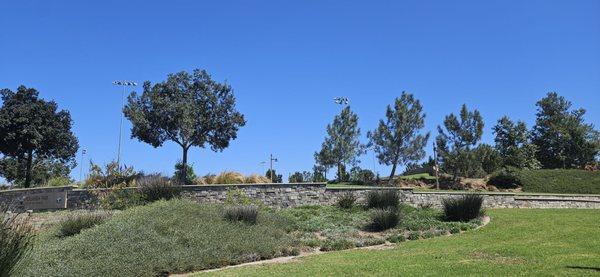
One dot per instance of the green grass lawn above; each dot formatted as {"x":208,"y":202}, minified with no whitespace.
{"x":516,"y":242}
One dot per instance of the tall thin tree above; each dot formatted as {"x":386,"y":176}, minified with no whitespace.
{"x":398,"y":138}
{"x":342,"y":145}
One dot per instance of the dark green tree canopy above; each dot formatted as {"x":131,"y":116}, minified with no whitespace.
{"x":455,"y":142}
{"x":33,"y":129}
{"x":398,"y":138}
{"x":342,"y":145}
{"x":188,"y":109}
{"x":563,"y":138}
{"x":514,"y":145}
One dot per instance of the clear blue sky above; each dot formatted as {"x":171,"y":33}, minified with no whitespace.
{"x":287,"y":60}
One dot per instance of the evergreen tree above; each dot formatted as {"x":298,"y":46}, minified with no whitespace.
{"x":31,"y":130}
{"x":514,"y":145}
{"x":342,"y":145}
{"x":398,"y":138}
{"x":456,"y":141}
{"x":563,"y":138}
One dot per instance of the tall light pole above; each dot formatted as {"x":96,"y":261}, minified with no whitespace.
{"x":123,"y":84}
{"x":83,"y":152}
{"x":436,"y":169}
{"x":271,"y":160}
{"x":342,"y":101}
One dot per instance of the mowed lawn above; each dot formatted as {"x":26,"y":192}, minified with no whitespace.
{"x":516,"y":242}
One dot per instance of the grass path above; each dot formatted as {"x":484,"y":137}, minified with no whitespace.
{"x":516,"y":242}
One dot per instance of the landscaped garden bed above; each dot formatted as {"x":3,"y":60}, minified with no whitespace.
{"x":179,"y":236}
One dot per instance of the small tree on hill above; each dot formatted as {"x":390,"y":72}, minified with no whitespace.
{"x":32,"y":129}
{"x":188,"y":109}
{"x":398,"y":139}
{"x":458,"y":138}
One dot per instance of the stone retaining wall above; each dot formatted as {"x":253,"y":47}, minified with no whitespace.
{"x":289,"y":195}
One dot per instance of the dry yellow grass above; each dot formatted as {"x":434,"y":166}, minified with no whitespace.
{"x":256,"y":179}
{"x":229,"y":177}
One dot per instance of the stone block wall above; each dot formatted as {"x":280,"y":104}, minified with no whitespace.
{"x":290,"y":195}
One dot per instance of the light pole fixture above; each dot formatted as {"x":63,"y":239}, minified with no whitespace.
{"x":123,"y":84}
{"x":341,"y":100}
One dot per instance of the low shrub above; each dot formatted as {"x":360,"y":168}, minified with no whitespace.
{"x":337,"y":244}
{"x":156,"y":187}
{"x":505,"y":178}
{"x":159,"y":239}
{"x":120,"y":198}
{"x":396,"y":238}
{"x":383,"y":219}
{"x":383,"y":199}
{"x":15,"y":239}
{"x":346,"y":200}
{"x":244,"y":213}
{"x":229,"y":177}
{"x":464,"y":208}
{"x":75,"y":223}
{"x":59,"y":181}
{"x":414,"y":235}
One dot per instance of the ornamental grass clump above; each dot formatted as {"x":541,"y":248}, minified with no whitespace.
{"x":464,"y":208}
{"x":346,"y":200}
{"x":229,"y":177}
{"x":383,"y":199}
{"x":76,"y":223}
{"x":256,"y":179}
{"x":244,"y":213}
{"x":384,"y":219}
{"x":15,"y":239}
{"x":156,"y":187}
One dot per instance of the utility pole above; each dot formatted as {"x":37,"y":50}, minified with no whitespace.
{"x":123,"y":84}
{"x":435,"y":166}
{"x":271,"y":160}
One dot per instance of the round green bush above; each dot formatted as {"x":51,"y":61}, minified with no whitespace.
{"x":506,"y":178}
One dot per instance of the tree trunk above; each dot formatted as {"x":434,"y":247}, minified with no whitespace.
{"x":339,"y":166}
{"x":391,"y":180}
{"x":184,"y":166}
{"x":28,"y":169}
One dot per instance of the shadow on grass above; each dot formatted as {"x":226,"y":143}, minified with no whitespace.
{"x":585,"y":268}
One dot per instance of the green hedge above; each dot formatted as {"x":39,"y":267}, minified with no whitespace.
{"x":560,"y":181}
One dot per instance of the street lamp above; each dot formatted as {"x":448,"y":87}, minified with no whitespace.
{"x":122,"y":84}
{"x":83,"y":152}
{"x":271,"y":160}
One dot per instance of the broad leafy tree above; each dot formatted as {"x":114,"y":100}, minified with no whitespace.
{"x":31,"y":130}
{"x":398,"y":138}
{"x":563,"y":139}
{"x":514,"y":145}
{"x":342,"y":145}
{"x":456,"y":140}
{"x":188,"y":109}
{"x":42,"y":170}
